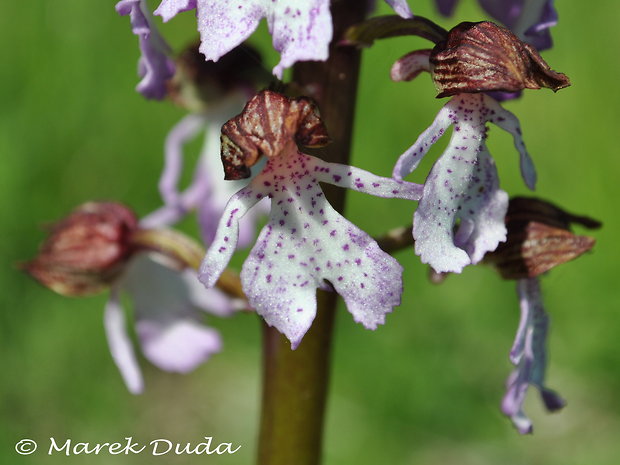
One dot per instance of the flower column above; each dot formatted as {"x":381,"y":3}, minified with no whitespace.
{"x":295,"y":382}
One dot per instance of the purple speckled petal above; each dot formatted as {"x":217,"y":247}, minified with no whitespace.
{"x":446,"y":7}
{"x":412,"y":157}
{"x":530,"y":20}
{"x":120,"y":344}
{"x":225,"y":242}
{"x":462,"y":186}
{"x":411,"y":65}
{"x":307,"y":242}
{"x":168,"y":9}
{"x":401,"y":7}
{"x":301,"y":31}
{"x":509,"y":122}
{"x":155,"y":67}
{"x":528,"y":354}
{"x":167,"y":320}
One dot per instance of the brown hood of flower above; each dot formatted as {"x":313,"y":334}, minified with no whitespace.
{"x":483,"y":57}
{"x":85,"y":251}
{"x":539,"y":239}
{"x":269,"y":125}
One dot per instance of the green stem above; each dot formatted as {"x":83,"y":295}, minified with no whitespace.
{"x":295,"y":382}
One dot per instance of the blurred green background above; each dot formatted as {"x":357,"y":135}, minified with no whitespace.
{"x":423,"y":389}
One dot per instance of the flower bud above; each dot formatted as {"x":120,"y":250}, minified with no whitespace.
{"x":484,"y":57}
{"x":85,"y":251}
{"x":538,"y":239}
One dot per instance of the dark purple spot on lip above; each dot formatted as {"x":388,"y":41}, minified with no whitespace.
{"x":291,"y":256}
{"x":225,"y":238}
{"x":359,"y":185}
{"x":267,"y":183}
{"x":268,"y":277}
{"x":395,"y":192}
{"x":300,"y":309}
{"x":362,"y":285}
{"x":332,"y":233}
{"x":358,"y":261}
{"x":221,"y":249}
{"x":282,"y":222}
{"x":375,"y":184}
{"x":345,"y":247}
{"x":340,"y":278}
{"x":306,"y":225}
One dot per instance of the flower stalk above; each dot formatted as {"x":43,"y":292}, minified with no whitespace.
{"x":295,"y":382}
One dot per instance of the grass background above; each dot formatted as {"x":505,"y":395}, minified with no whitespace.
{"x":424,"y":389}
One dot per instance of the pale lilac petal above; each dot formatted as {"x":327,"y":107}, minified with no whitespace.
{"x":509,"y":122}
{"x":462,"y":186}
{"x":167,"y":320}
{"x":120,"y":344}
{"x":301,"y":31}
{"x":225,"y":242}
{"x":530,"y":20}
{"x":401,"y":7}
{"x":528,"y":353}
{"x":411,"y":65}
{"x":410,"y":160}
{"x":178,"y":345}
{"x":155,"y":67}
{"x":306,"y":242}
{"x":179,"y":135}
{"x":168,"y":9}
{"x":446,"y":7}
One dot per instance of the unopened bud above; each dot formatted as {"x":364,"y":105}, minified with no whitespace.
{"x":484,"y":57}
{"x":85,"y":251}
{"x":538,"y":239}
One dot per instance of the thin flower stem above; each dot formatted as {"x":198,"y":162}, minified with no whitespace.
{"x":295,"y":382}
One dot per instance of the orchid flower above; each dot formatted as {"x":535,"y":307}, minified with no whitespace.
{"x":213,"y":92}
{"x":530,"y":20}
{"x":101,"y":246}
{"x":463,"y":186}
{"x":462,"y":190}
{"x":305,"y":242}
{"x":529,"y":356}
{"x":301,"y":30}
{"x":154,"y":67}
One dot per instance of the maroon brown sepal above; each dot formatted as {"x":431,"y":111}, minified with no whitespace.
{"x":269,"y":124}
{"x":484,"y":57}
{"x":85,"y":251}
{"x":539,"y":239}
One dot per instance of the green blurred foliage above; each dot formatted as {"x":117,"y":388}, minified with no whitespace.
{"x":426,"y":387}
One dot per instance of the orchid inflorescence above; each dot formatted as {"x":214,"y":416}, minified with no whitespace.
{"x":263,"y":174}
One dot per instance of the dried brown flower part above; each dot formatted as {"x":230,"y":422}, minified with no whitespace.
{"x":85,"y":251}
{"x":539,"y":239}
{"x":483,"y":57}
{"x":269,"y":124}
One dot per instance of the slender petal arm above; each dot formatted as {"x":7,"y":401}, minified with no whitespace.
{"x":227,"y":236}
{"x":409,"y":160}
{"x":411,"y":65}
{"x":509,"y":123}
{"x":180,"y":134}
{"x":120,"y":344}
{"x":360,"y":180}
